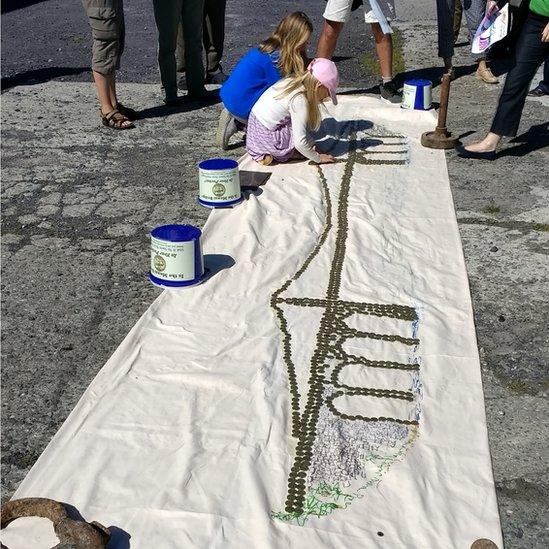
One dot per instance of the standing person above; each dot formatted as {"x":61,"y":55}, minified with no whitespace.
{"x":106,"y":18}
{"x":543,"y":87}
{"x":531,"y":51}
{"x":337,"y":14}
{"x":167,"y":14}
{"x":282,"y":54}
{"x":474,"y":13}
{"x":279,"y":121}
{"x":213,"y":39}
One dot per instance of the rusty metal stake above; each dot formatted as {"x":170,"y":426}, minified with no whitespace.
{"x":441,"y":138}
{"x":72,"y":534}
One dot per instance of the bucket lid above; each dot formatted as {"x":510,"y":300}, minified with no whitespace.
{"x":176,"y":233}
{"x":218,"y":164}
{"x":418,"y":82}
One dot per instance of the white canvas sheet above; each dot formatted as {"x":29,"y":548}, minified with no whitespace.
{"x":188,"y":436}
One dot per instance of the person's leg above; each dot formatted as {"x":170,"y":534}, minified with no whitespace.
{"x":384,"y":50}
{"x":108,"y":44}
{"x":335,"y":16}
{"x":192,"y":14}
{"x":445,"y":27}
{"x":180,"y":49}
{"x":328,"y":39}
{"x":544,"y":84}
{"x":474,"y":14}
{"x":214,"y":37}
{"x":530,"y":53}
{"x":458,"y":15}
{"x":166,"y":15}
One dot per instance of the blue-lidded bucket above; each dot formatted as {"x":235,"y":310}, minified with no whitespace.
{"x":417,"y":94}
{"x":219,"y":183}
{"x":176,"y":256}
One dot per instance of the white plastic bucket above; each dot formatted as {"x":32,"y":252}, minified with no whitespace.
{"x":219,"y":183}
{"x":176,"y":256}
{"x":417,"y":94}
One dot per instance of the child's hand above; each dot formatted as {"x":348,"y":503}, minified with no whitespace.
{"x":326,"y":158}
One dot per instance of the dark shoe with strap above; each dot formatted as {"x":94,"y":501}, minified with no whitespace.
{"x":538,"y":91}
{"x":129,"y":113}
{"x":466,"y":153}
{"x":116,"y":120}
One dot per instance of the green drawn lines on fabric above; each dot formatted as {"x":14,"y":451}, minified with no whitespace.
{"x":329,"y":357}
{"x":324,"y":498}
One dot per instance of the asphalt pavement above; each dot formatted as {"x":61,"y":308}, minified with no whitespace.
{"x":78,"y":201}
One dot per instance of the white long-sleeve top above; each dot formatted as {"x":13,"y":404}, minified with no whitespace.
{"x":271,"y":110}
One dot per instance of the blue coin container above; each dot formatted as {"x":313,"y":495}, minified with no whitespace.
{"x":219,"y":183}
{"x":176,"y":256}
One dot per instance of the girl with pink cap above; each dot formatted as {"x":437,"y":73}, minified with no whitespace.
{"x":280,"y":119}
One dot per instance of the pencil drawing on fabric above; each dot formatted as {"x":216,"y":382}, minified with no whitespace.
{"x":349,"y":426}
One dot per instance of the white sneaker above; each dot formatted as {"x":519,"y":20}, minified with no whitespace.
{"x":226,"y":128}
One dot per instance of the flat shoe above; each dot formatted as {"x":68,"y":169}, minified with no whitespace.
{"x":464,"y":153}
{"x":487,"y":76}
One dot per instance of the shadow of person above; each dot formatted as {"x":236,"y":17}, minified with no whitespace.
{"x":186,"y":105}
{"x":536,"y":138}
{"x":340,"y":128}
{"x":39,"y":76}
{"x":333,"y":136}
{"x":434,"y":74}
{"x":215,"y":263}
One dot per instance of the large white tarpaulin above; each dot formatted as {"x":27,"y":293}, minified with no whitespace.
{"x":323,"y":391}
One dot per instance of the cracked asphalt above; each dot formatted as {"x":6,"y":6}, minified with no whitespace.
{"x":79,"y":200}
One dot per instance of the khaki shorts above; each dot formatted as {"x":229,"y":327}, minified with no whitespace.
{"x":339,"y":10}
{"x":106,"y":19}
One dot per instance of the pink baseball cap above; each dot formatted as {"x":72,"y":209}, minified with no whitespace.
{"x":325,"y":71}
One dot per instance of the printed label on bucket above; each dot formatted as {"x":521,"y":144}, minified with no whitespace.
{"x":172,"y":261}
{"x":219,"y":185}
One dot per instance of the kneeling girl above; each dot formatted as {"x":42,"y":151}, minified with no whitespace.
{"x":279,"y":121}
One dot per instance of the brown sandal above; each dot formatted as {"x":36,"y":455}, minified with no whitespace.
{"x":115,"y":120}
{"x":129,"y":113}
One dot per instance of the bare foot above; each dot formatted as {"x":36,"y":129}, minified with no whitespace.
{"x":488,"y":144}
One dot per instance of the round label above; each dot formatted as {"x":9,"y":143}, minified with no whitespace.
{"x":219,"y":185}
{"x":172,"y":260}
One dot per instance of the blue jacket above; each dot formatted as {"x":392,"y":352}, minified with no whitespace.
{"x":253,"y":74}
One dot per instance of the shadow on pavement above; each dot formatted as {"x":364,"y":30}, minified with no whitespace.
{"x":536,"y":138}
{"x":11,"y":5}
{"x":39,"y":76}
{"x":160,"y":111}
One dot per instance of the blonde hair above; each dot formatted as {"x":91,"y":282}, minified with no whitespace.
{"x":312,"y":92}
{"x":290,"y":35}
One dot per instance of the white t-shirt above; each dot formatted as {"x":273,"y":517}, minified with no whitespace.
{"x":271,"y":110}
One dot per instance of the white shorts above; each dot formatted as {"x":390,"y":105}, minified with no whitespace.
{"x":339,"y":10}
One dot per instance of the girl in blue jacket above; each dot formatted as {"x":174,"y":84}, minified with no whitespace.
{"x":283,"y":54}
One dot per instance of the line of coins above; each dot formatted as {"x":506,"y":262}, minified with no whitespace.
{"x":400,"y":312}
{"x":336,"y":412}
{"x":367,"y":391}
{"x":373,"y":162}
{"x":297,"y":478}
{"x":283,"y":324}
{"x":383,"y":152}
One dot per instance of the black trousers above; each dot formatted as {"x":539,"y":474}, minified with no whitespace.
{"x":530,"y":53}
{"x":213,"y":37}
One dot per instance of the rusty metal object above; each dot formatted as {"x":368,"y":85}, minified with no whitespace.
{"x":72,"y":534}
{"x":441,"y":138}
{"x":484,"y":544}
